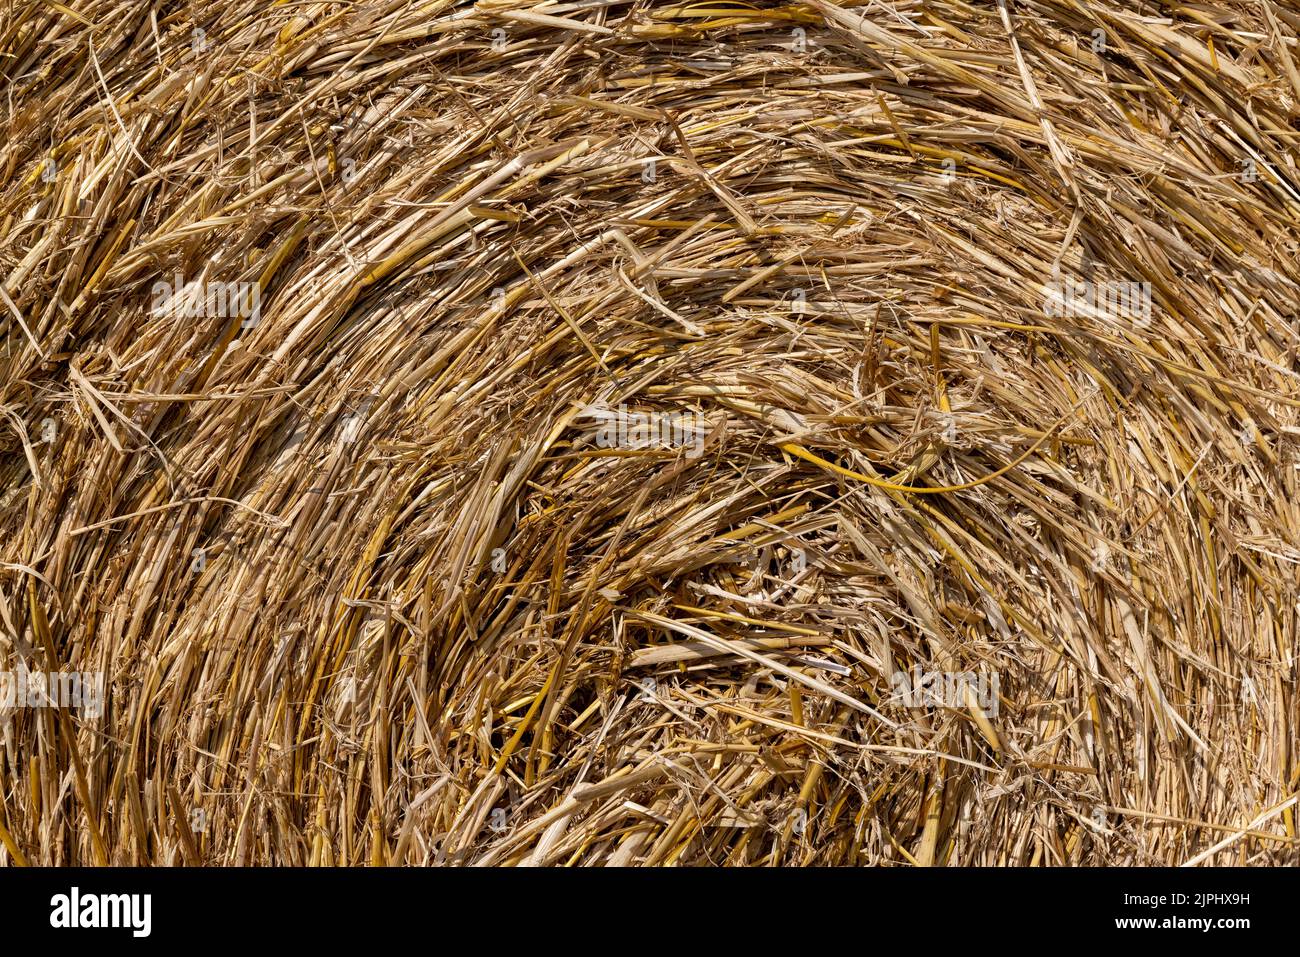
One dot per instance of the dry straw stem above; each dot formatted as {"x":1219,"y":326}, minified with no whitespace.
{"x":366,"y":588}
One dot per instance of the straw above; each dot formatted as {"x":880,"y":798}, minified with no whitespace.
{"x":670,"y":433}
